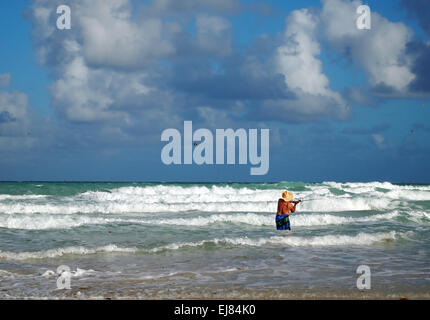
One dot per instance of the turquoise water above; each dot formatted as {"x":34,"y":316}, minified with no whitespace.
{"x":174,"y":240}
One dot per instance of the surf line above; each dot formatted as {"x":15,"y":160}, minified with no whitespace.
{"x":199,"y":147}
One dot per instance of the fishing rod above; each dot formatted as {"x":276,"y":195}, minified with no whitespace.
{"x":301,"y":200}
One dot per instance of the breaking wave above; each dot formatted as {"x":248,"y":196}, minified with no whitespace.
{"x":361,"y":239}
{"x":160,"y":198}
{"x":43,"y":222}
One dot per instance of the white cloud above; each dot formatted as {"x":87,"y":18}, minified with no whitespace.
{"x":106,"y":66}
{"x":113,"y":68}
{"x":106,"y":31}
{"x":213,"y":34}
{"x":379,"y":51}
{"x":5,"y":79}
{"x":214,"y":118}
{"x":13,"y":106}
{"x":19,"y":128}
{"x":99,"y":64}
{"x":14,"y":116}
{"x":175,"y":7}
{"x":297,"y":61}
{"x":379,"y":140}
{"x":94,"y":95}
{"x":42,"y":15}
{"x":112,"y":38}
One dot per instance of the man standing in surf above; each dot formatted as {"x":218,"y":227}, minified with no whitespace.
{"x":285,"y":207}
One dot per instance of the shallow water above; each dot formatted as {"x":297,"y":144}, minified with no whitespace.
{"x":172,"y":240}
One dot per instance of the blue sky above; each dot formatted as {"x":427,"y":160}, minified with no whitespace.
{"x":90,"y":103}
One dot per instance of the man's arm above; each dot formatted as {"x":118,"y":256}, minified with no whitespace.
{"x":292,"y":207}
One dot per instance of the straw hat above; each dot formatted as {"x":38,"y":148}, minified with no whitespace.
{"x":287,"y":196}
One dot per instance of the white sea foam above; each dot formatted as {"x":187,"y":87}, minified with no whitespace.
{"x":419,"y":217}
{"x":322,"y":205}
{"x":338,"y":204}
{"x":221,"y":199}
{"x":22,"y":197}
{"x":359,"y":187}
{"x":48,"y":274}
{"x":75,"y":274}
{"x":53,"y":253}
{"x":416,"y":195}
{"x":268,"y":220}
{"x":293,"y":241}
{"x":248,"y":218}
{"x":5,"y":273}
{"x":43,"y":222}
{"x":179,"y":194}
{"x":327,"y":219}
{"x":361,"y":239}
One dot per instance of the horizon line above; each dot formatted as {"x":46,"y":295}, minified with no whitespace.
{"x":213,"y":182}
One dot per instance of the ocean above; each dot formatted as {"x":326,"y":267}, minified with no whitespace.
{"x":212,"y":240}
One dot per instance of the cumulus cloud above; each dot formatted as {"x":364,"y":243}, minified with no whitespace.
{"x":127,"y":70}
{"x":131,"y":70}
{"x":103,"y":31}
{"x":5,"y":79}
{"x":240,"y":78}
{"x":101,"y":69}
{"x":421,"y":10}
{"x":110,"y":37}
{"x":213,"y":34}
{"x":420,"y":51}
{"x":184,"y":7}
{"x":364,"y":131}
{"x":297,"y":60}
{"x":360,"y":96}
{"x":13,"y":113}
{"x":20,"y":128}
{"x":83,"y":94}
{"x":379,"y":140}
{"x":381,"y":51}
